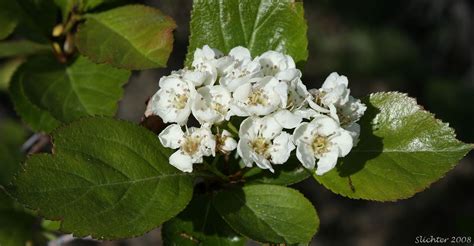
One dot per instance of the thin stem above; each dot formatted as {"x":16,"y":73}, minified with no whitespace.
{"x":214,"y":170}
{"x":232,"y":128}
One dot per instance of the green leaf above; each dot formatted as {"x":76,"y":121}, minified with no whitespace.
{"x":402,"y":150}
{"x":289,"y":173}
{"x":258,"y":25}
{"x":16,"y":227}
{"x":132,"y":37}
{"x":38,"y":18}
{"x":69,"y":92}
{"x":22,"y":48}
{"x":268,"y":213}
{"x":12,"y":137}
{"x":8,"y":18}
{"x":7,"y":69}
{"x":37,"y":118}
{"x":107,"y":178}
{"x":199,"y":224}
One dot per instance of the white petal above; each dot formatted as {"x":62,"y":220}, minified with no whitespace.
{"x":325,"y":125}
{"x":287,"y":119}
{"x":263,"y":163}
{"x":282,"y":91}
{"x":343,"y":141}
{"x":281,"y":149}
{"x":300,"y":132}
{"x":305,"y":155}
{"x":327,"y":162}
{"x":229,"y":144}
{"x":270,"y":127}
{"x":181,"y":161}
{"x":171,"y":136}
{"x":243,"y":150}
{"x":354,"y":131}
{"x":240,"y":53}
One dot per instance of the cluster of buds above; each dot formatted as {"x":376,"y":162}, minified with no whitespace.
{"x":277,"y":113}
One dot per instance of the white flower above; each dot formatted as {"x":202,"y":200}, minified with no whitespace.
{"x":273,"y":62}
{"x":172,"y":102}
{"x":204,"y":65}
{"x":294,"y":109}
{"x":237,"y":68}
{"x":225,"y":142}
{"x":211,"y":104}
{"x":348,"y":115}
{"x":192,"y":145}
{"x":261,"y":97}
{"x":334,"y":90}
{"x":262,"y":141}
{"x":321,"y":139}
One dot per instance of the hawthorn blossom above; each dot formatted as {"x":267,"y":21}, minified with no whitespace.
{"x":238,"y":68}
{"x":211,"y":104}
{"x":192,"y":145}
{"x":261,"y":97}
{"x":273,"y":62}
{"x":321,"y":139}
{"x":172,"y":102}
{"x":294,"y":109}
{"x":263,"y":142}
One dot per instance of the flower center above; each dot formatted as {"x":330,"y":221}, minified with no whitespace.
{"x":191,"y":144}
{"x":219,"y":108}
{"x":343,"y":119}
{"x":320,"y":145}
{"x":260,"y":146}
{"x":180,"y":101}
{"x":257,"y":97}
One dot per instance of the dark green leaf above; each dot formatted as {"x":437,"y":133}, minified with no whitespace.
{"x":258,"y":25}
{"x":402,"y":150}
{"x":199,"y":224}
{"x":289,"y":173}
{"x":37,"y":118}
{"x":38,"y":18}
{"x":16,"y":227}
{"x":268,"y":213}
{"x":7,"y":69}
{"x":69,"y":92}
{"x":22,"y":48}
{"x":132,"y":37}
{"x":8,"y":18}
{"x":107,"y":178}
{"x":12,"y":137}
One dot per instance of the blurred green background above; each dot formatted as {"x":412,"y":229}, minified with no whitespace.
{"x":424,"y":48}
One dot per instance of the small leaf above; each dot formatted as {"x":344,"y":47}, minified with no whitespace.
{"x":268,"y":213}
{"x":107,"y":178}
{"x":402,"y":150}
{"x":200,"y":224}
{"x":131,"y":37}
{"x":67,"y":92}
{"x":258,"y":25}
{"x":289,"y":173}
{"x":22,"y":48}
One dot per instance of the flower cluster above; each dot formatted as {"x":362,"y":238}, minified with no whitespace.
{"x":279,"y":113}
